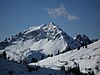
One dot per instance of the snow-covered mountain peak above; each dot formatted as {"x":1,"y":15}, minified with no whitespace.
{"x":46,"y":27}
{"x":38,"y":43}
{"x":33,"y":28}
{"x":83,"y":39}
{"x":37,"y":40}
{"x":49,"y":31}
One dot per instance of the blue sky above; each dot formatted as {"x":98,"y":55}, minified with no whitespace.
{"x":72,"y":16}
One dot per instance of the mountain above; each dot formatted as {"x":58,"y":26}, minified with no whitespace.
{"x":83,"y":40}
{"x":37,"y":42}
{"x":48,"y":50}
{"x":88,"y":60}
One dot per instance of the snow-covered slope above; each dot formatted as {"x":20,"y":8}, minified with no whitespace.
{"x":42,"y":40}
{"x":85,"y":57}
{"x":13,"y":68}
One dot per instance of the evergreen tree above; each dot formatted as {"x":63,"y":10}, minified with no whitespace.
{"x":58,"y":52}
{"x":85,"y":46}
{"x":63,"y":68}
{"x":4,"y":54}
{"x":78,"y":48}
{"x":48,"y":55}
{"x":5,"y":39}
{"x":51,"y":55}
{"x":92,"y":73}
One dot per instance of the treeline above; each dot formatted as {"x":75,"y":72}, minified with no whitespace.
{"x":75,"y":70}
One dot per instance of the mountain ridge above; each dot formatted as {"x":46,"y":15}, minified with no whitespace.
{"x":45,"y":39}
{"x":48,"y":49}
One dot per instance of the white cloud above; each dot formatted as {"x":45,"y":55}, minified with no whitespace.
{"x":73,"y":17}
{"x":61,"y":11}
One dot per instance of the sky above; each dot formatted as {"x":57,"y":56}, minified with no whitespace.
{"x":72,"y":16}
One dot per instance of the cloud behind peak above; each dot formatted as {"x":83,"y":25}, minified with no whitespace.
{"x":61,"y":11}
